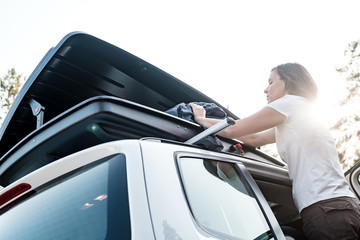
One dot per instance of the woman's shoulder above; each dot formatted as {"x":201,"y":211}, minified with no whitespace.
{"x":294,"y":98}
{"x":289,"y":104}
{"x":290,"y":100}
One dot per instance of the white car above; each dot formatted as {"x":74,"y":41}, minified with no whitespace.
{"x":88,"y":152}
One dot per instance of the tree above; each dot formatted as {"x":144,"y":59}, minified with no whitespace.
{"x":10,"y":85}
{"x":347,"y":128}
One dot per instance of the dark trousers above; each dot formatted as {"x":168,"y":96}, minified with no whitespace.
{"x":336,"y":218}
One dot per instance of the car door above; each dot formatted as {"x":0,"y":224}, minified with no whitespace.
{"x":353,"y":177}
{"x":195,"y":194}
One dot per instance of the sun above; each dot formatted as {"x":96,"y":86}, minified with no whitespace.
{"x":327,"y":109}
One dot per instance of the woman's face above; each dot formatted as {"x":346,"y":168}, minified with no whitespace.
{"x":276,"y":87}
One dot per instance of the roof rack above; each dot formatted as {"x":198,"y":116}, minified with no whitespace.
{"x":220,"y":126}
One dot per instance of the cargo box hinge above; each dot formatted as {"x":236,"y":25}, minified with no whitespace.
{"x":38,"y":111}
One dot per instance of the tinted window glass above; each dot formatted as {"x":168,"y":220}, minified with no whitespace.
{"x":88,"y":204}
{"x":221,"y":200}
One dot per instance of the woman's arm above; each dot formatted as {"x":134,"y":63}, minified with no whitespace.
{"x":259,"y":139}
{"x":264,"y":119}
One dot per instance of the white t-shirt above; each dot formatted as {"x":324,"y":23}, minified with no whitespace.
{"x":310,"y":153}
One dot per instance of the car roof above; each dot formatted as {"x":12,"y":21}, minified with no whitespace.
{"x":82,"y":66}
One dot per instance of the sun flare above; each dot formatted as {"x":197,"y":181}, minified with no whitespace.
{"x":327,"y":109}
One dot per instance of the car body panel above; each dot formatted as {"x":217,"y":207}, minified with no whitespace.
{"x":157,"y":201}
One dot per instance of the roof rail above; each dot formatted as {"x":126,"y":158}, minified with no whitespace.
{"x":220,"y":126}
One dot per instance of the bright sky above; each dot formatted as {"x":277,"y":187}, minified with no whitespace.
{"x":225,"y":48}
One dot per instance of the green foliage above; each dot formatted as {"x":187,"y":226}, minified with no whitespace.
{"x":352,"y":70}
{"x":347,"y":128}
{"x":10,"y":85}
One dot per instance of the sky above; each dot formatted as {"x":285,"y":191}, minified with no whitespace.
{"x":224,"y":48}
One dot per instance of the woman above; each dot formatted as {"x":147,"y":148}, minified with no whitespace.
{"x":320,"y":192}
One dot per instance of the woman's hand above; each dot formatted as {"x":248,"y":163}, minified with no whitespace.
{"x":200,"y":116}
{"x":199,"y":112}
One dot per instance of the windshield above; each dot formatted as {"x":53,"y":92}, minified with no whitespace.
{"x":221,"y":201}
{"x":91,"y":203}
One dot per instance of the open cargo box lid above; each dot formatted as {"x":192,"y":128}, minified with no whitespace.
{"x":82,"y":66}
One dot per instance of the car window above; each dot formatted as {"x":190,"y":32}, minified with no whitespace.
{"x":221,"y":201}
{"x":91,"y":203}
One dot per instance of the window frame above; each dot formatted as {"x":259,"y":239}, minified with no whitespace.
{"x":275,"y":230}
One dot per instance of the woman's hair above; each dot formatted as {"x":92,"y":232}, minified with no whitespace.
{"x":298,"y":80}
